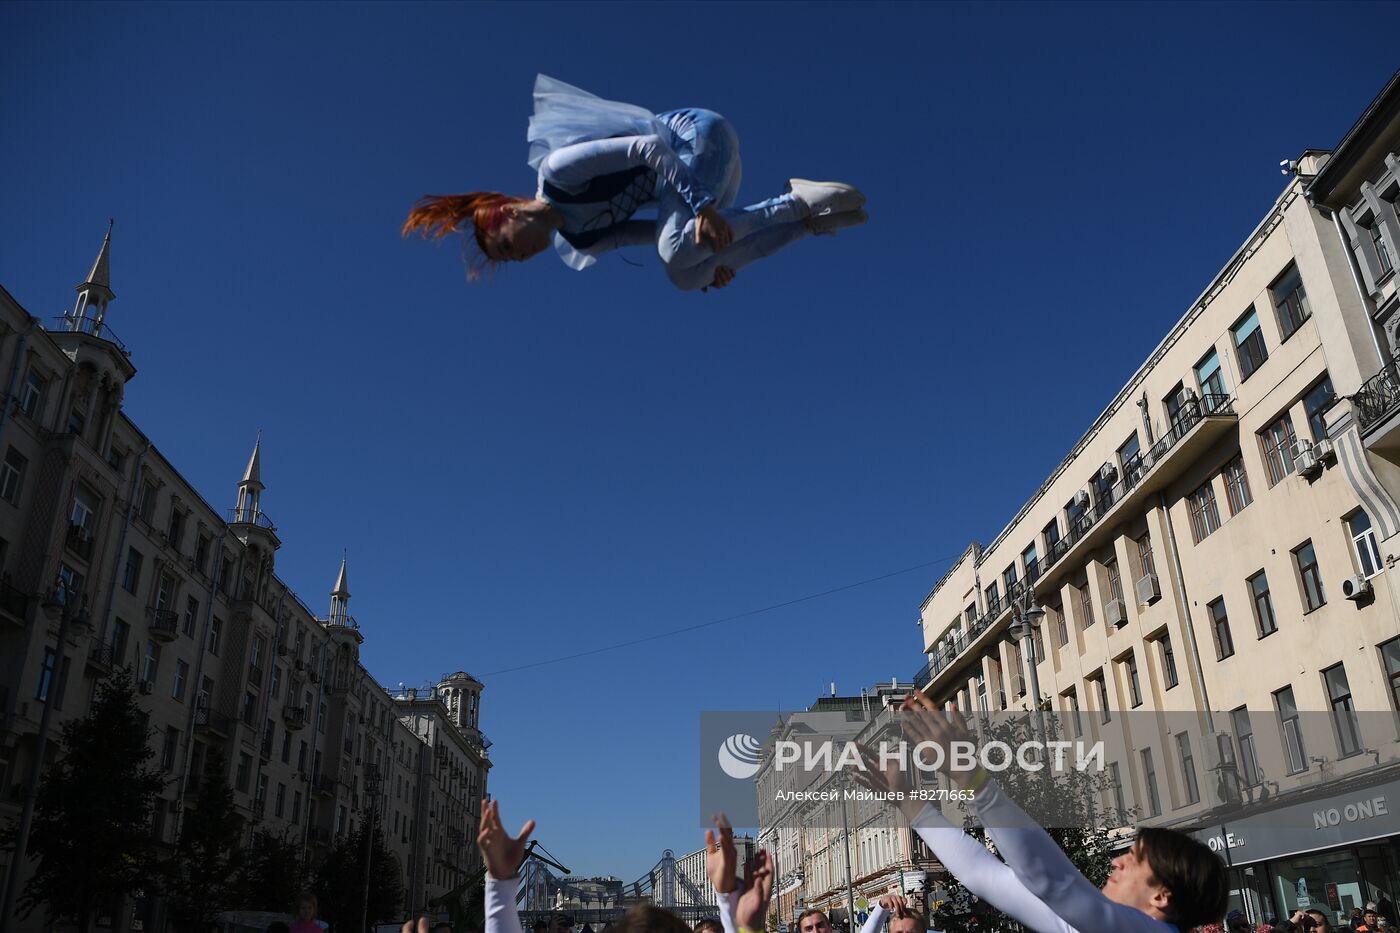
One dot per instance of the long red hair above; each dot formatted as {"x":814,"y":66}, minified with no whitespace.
{"x":437,"y":215}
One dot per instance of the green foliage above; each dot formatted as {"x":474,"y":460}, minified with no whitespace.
{"x":92,"y":821}
{"x":270,"y":874}
{"x":465,"y":904}
{"x":199,"y":878}
{"x":340,"y":882}
{"x":1070,"y":803}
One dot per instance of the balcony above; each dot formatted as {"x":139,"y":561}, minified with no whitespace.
{"x":90,"y":326}
{"x":14,"y":602}
{"x":79,"y":541}
{"x":294,"y":718}
{"x":1200,"y":423}
{"x":210,"y":722}
{"x":165,"y":625}
{"x":255,"y":517}
{"x":1377,"y":405}
{"x":103,"y":657}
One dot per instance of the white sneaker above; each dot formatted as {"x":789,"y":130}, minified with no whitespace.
{"x":828,"y":224}
{"x":826,"y":197}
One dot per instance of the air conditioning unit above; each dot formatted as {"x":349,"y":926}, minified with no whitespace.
{"x":147,"y":687}
{"x":1325,"y":451}
{"x":1147,"y":589}
{"x":1307,"y":460}
{"x":1116,"y":612}
{"x":1081,"y":499}
{"x":1357,"y":587}
{"x":1108,"y":473}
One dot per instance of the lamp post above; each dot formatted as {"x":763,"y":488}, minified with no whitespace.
{"x":371,"y":794}
{"x":59,"y":607}
{"x":1027,"y":615}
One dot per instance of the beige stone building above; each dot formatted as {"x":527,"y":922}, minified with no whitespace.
{"x":101,"y":536}
{"x":1223,"y":538}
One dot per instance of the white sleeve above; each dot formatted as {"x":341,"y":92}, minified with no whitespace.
{"x":875,"y":920}
{"x":501,"y":916}
{"x":728,"y":904}
{"x":1047,"y":872}
{"x":983,"y":873}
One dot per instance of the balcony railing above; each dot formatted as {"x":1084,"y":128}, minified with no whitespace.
{"x":211,"y":721}
{"x":1136,"y":471}
{"x":103,"y":656}
{"x":1379,"y":397}
{"x":14,"y":600}
{"x":247,"y":516}
{"x":165,"y":625}
{"x":294,"y":717}
{"x":80,"y":540}
{"x":91,"y":326}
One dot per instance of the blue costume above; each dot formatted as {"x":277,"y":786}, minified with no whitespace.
{"x":601,"y":161}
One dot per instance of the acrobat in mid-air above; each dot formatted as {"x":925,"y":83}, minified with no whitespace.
{"x":600,"y":162}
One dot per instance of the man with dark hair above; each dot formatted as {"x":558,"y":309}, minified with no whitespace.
{"x":709,"y":925}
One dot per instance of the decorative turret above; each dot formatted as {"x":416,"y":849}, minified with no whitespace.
{"x":462,"y":694}
{"x":340,"y":599}
{"x":247,"y":518}
{"x":89,"y":313}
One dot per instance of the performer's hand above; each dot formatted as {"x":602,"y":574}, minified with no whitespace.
{"x":888,"y":778}
{"x":721,"y":859}
{"x":723,"y":276}
{"x":501,"y":853}
{"x":925,"y":722}
{"x":751,"y":913}
{"x":897,"y":903}
{"x":712,"y":230}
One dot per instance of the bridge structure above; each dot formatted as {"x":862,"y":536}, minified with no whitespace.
{"x":678,"y":884}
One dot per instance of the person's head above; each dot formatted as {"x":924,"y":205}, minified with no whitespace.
{"x":504,"y":228}
{"x":907,"y":920}
{"x":1170,"y":876}
{"x":306,"y":906}
{"x":278,"y":926}
{"x":561,"y":923}
{"x":648,"y":918}
{"x":813,"y":921}
{"x":1370,"y":916}
{"x":1320,"y":922}
{"x":709,"y":925}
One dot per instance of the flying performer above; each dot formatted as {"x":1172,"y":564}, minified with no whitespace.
{"x":600,"y":162}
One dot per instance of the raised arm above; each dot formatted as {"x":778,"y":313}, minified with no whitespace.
{"x":503,"y":856}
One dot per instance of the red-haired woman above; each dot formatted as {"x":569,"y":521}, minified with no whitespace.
{"x":600,"y":162}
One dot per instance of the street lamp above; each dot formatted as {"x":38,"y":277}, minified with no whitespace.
{"x":61,"y":605}
{"x":1027,"y":615}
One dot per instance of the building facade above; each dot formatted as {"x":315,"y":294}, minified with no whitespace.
{"x":1223,"y":538}
{"x":110,"y":559}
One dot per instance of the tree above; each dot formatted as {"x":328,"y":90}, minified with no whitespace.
{"x":270,"y":874}
{"x":92,"y":819}
{"x":340,"y":883}
{"x":199,"y":876}
{"x":1068,"y":803}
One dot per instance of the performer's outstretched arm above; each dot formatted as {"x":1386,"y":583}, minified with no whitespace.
{"x":503,"y":856}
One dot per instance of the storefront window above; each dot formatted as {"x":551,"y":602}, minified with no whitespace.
{"x":1327,"y":881}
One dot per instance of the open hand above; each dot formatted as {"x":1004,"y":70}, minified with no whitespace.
{"x":721,"y":859}
{"x":752,"y":910}
{"x":501,"y":853}
{"x":712,"y":230}
{"x":896,"y":903}
{"x":925,"y":722}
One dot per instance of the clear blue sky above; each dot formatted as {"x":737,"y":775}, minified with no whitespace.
{"x":553,"y":460}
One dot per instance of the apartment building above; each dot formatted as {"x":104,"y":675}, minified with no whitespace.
{"x":832,"y":854}
{"x":109,"y":558}
{"x":1222,"y":538}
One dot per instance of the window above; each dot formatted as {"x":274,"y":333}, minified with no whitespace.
{"x":176,"y":529}
{"x":1130,"y":460}
{"x":206,"y":693}
{"x":121,"y":633}
{"x":1279,"y":442}
{"x":31,"y":399}
{"x":12,"y":476}
{"x":1168,"y":660}
{"x":131,"y":575}
{"x":1220,"y":625}
{"x":1086,"y":607}
{"x":280,"y":802}
{"x":1382,"y":250}
{"x":255,"y":663}
{"x":1236,"y":485}
{"x":1100,"y":688}
{"x":275,"y":687}
{"x":1205,"y":516}
{"x":261,"y":797}
{"x":1290,"y":301}
{"x":1130,"y":668}
{"x":1115,"y":783}
{"x":46,"y":674}
{"x":1343,"y":712}
{"x":201,"y":554}
{"x":1149,"y":780}
{"x":1008,"y":578}
{"x":1115,"y":581}
{"x":321,"y":718}
{"x":146,"y":502}
{"x":182,"y":673}
{"x":1052,"y":538}
{"x":1309,"y":577}
{"x":296,"y":806}
{"x":1075,"y":510}
{"x":151,"y":664}
{"x":1061,"y":629}
{"x":1363,"y":543}
{"x":1144,"y":545}
{"x":1072,"y":712}
{"x":1263,"y":604}
{"x":250,"y":709}
{"x":165,"y":593}
{"x":191,"y":615}
{"x":77,"y":420}
{"x":1188,"y":767}
{"x":993,"y":599}
{"x":1175,"y":403}
{"x":1292,"y":731}
{"x":1209,"y":377}
{"x":1028,"y":560}
{"x":1316,"y":402}
{"x":216,"y":630}
{"x":169,"y":748}
{"x":1390,"y":659}
{"x":1249,"y":758}
{"x":1249,"y":344}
